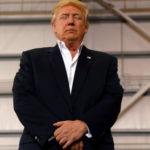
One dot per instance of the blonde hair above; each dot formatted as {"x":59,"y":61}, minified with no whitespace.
{"x":80,"y":5}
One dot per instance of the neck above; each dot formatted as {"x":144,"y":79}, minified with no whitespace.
{"x":72,"y":46}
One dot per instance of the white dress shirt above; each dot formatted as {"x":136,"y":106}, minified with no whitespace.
{"x":70,"y":65}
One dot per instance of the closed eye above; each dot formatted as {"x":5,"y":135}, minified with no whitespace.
{"x":64,"y":16}
{"x":77,"y":16}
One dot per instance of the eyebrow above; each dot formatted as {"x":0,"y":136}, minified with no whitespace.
{"x":71,"y":14}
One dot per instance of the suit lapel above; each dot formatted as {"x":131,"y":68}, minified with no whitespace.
{"x":60,"y":72}
{"x":81,"y":72}
{"x":83,"y":65}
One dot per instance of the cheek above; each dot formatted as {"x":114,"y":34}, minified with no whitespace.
{"x":82,"y":27}
{"x":83,"y":30}
{"x":58,"y":29}
{"x":61,"y":27}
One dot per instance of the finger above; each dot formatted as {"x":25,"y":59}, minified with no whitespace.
{"x":57,"y":132}
{"x":77,"y":146}
{"x":58,"y":124}
{"x":62,"y":141}
{"x":72,"y":147}
{"x":58,"y":136}
{"x":67,"y":144}
{"x":81,"y":145}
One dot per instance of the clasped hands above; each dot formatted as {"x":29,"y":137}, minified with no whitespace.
{"x":69,"y":133}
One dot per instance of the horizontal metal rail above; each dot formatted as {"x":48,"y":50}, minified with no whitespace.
{"x":27,"y":2}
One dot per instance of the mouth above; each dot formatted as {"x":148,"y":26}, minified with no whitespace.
{"x":71,"y":30}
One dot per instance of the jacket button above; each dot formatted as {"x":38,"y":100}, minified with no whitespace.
{"x":35,"y":137}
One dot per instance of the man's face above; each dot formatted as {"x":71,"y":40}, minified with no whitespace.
{"x":70,"y":24}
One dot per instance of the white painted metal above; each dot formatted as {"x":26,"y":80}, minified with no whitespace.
{"x":135,"y":99}
{"x":133,"y":23}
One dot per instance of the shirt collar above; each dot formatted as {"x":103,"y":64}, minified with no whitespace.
{"x":62,"y":46}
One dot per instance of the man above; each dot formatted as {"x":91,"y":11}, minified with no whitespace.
{"x":67,"y":96}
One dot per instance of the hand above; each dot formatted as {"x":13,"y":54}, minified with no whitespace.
{"x":77,"y":146}
{"x":68,"y":132}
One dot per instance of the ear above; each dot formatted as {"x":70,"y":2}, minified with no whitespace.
{"x":54,"y":27}
{"x":86,"y":28}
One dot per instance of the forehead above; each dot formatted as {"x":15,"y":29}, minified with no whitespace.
{"x":69,"y":9}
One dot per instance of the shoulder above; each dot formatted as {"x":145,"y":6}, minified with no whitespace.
{"x":37,"y":51}
{"x":100,"y":55}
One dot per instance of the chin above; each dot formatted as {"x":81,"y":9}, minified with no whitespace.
{"x":71,"y":38}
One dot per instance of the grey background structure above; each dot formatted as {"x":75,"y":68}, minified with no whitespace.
{"x":25,"y":24}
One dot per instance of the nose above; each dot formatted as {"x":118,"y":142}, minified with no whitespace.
{"x":71,"y":20}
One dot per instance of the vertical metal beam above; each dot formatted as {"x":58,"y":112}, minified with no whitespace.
{"x":133,"y":23}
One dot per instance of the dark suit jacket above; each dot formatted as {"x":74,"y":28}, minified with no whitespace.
{"x":42,"y":97}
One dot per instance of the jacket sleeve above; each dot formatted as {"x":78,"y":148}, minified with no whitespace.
{"x":102,"y":116}
{"x":27,"y":105}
